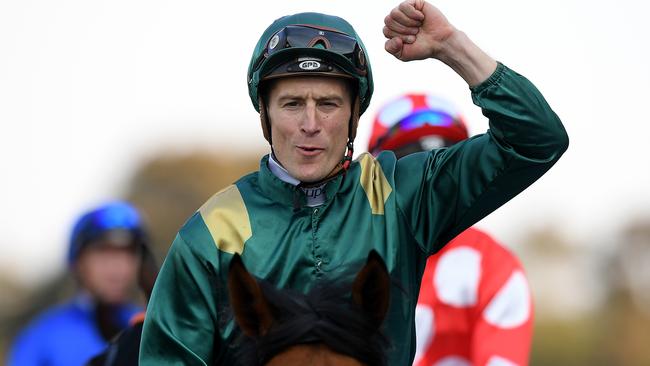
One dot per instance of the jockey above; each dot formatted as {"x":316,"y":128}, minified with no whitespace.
{"x":310,"y":210}
{"x":107,"y":255}
{"x":474,"y":306}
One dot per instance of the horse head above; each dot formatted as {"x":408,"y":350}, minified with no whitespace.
{"x":335,"y":323}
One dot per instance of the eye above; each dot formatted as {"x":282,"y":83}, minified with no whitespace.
{"x":291,"y":104}
{"x":330,"y":104}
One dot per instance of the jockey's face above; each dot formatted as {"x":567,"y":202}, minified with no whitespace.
{"x":309,"y":118}
{"x":108,"y":271}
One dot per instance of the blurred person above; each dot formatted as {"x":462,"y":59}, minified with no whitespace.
{"x":107,"y":253}
{"x":124,"y":349}
{"x":310,"y":210}
{"x":474,"y":306}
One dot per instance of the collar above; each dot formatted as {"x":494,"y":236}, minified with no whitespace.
{"x":280,"y":172}
{"x":278,"y":185}
{"x":315,"y":195}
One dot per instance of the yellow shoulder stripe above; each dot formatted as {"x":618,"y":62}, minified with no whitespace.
{"x":374,"y":183}
{"x":227,"y":220}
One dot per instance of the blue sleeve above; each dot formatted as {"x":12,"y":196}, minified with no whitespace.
{"x":27,"y":349}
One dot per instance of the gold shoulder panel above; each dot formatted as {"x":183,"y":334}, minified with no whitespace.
{"x":374,"y":183}
{"x":227,"y":220}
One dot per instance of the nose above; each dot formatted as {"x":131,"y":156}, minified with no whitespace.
{"x":310,"y":124}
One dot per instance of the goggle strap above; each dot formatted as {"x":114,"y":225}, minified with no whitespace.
{"x":320,"y":27}
{"x":312,"y":43}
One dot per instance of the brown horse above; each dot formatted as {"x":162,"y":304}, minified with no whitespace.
{"x":333,"y":324}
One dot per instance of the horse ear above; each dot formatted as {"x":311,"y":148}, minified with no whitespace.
{"x":252,"y":311}
{"x":371,"y":288}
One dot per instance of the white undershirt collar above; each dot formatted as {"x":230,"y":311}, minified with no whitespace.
{"x":315,"y":195}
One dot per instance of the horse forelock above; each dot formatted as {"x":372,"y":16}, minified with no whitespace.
{"x":325,"y":315}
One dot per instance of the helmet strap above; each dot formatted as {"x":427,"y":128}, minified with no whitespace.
{"x":352,"y":133}
{"x":347,"y":160}
{"x":264,"y":120}
{"x":354,"y":119}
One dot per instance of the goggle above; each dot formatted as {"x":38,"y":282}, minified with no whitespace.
{"x":431,"y":118}
{"x":416,"y":121}
{"x":306,"y":36}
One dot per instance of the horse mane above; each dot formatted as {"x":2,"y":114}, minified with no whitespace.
{"x":326,"y":315}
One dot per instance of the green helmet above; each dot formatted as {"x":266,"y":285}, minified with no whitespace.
{"x":311,"y":44}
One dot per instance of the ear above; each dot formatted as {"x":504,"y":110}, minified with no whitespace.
{"x":371,"y":288}
{"x":251,"y":309}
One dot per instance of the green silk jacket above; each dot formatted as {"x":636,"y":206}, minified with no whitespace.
{"x":405,"y":209}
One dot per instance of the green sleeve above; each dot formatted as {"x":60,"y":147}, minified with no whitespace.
{"x":180,"y":327}
{"x":442,"y":192}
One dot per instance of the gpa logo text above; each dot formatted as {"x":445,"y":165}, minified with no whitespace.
{"x":309,"y":65}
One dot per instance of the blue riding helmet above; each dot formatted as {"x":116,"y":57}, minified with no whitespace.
{"x":114,"y":217}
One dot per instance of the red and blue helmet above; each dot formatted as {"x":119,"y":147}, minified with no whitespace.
{"x":418,"y":121}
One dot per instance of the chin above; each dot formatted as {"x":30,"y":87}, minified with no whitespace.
{"x":314,"y":170}
{"x":309,"y":178}
{"x":308,"y":174}
{"x":114,"y":298}
{"x":314,"y":175}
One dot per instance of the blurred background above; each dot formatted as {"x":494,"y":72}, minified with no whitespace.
{"x":146,"y":100}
